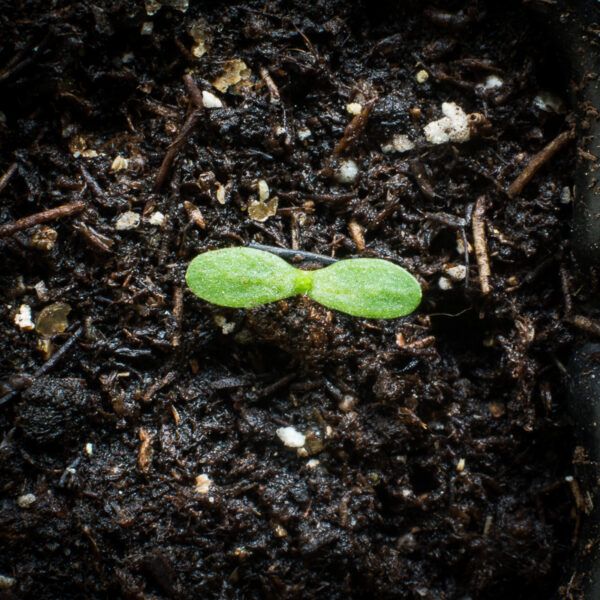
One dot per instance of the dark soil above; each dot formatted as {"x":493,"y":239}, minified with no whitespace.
{"x":437,"y":444}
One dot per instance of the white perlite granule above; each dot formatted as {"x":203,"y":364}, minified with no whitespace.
{"x":291,"y":437}
{"x":128,"y":220}
{"x":453,"y":127}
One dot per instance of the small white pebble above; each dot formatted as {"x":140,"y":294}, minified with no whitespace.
{"x":549,"y":102}
{"x":399,"y":143}
{"x":354,"y":108}
{"x":303,"y":133}
{"x":119,"y":163}
{"x":279,"y":130}
{"x":347,"y":172}
{"x":127,"y":58}
{"x":210,"y":100}
{"x":456,"y":272}
{"x":445,"y":283}
{"x":157,"y":218}
{"x":220,"y":193}
{"x":453,"y":127}
{"x":6,"y":582}
{"x":565,"y":195}
{"x":41,"y":291}
{"x":26,"y":500}
{"x":422,"y":76}
{"x":263,"y":190}
{"x":89,"y":449}
{"x":226,"y":326}
{"x":291,"y":437}
{"x":203,"y":483}
{"x":128,"y":220}
{"x":23,"y":318}
{"x":313,"y":463}
{"x":147,"y":28}
{"x":493,"y":81}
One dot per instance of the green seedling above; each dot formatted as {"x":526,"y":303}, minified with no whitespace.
{"x":245,"y":277}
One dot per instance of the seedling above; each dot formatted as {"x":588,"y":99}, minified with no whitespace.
{"x":245,"y":277}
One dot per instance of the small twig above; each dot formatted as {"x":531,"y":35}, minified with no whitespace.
{"x":168,"y":379}
{"x":95,"y":238}
{"x":276,"y":386}
{"x":193,"y":91}
{"x":97,"y":191}
{"x":538,"y":161}
{"x":177,"y":315}
{"x":16,"y":65}
{"x":585,"y":324}
{"x":6,"y":177}
{"x":417,"y":170}
{"x":273,"y":90}
{"x":355,"y":127}
{"x":194,"y":214}
{"x":446,"y":219}
{"x":564,"y":284}
{"x":190,"y":123}
{"x":480,"y":245}
{"x":291,"y":254}
{"x":42,"y":217}
{"x":49,"y":364}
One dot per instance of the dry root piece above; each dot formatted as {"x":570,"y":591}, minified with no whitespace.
{"x":357,"y":234}
{"x":355,"y":128}
{"x":480,"y":245}
{"x":585,"y":324}
{"x":42,"y":217}
{"x":194,"y":214}
{"x":146,"y":452}
{"x":538,"y":161}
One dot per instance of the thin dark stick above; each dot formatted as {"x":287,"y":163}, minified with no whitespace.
{"x":193,"y":91}
{"x":168,"y":379}
{"x":97,"y":191}
{"x":49,"y":364}
{"x":538,"y":161}
{"x":564,"y":284}
{"x":291,"y":254}
{"x":42,"y":217}
{"x":174,"y":149}
{"x":6,"y":177}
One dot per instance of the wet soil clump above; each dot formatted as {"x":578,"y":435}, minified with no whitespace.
{"x":141,"y":453}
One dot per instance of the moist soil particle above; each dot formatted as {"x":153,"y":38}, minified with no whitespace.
{"x":436,"y":445}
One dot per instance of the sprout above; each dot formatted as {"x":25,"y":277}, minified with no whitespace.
{"x":245,"y":277}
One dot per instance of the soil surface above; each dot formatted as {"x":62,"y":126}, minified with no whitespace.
{"x":139,"y":446}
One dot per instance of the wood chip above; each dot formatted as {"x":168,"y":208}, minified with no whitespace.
{"x":146,"y":452}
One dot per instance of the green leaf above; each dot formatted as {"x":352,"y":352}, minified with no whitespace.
{"x":366,"y":287}
{"x":243,"y":277}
